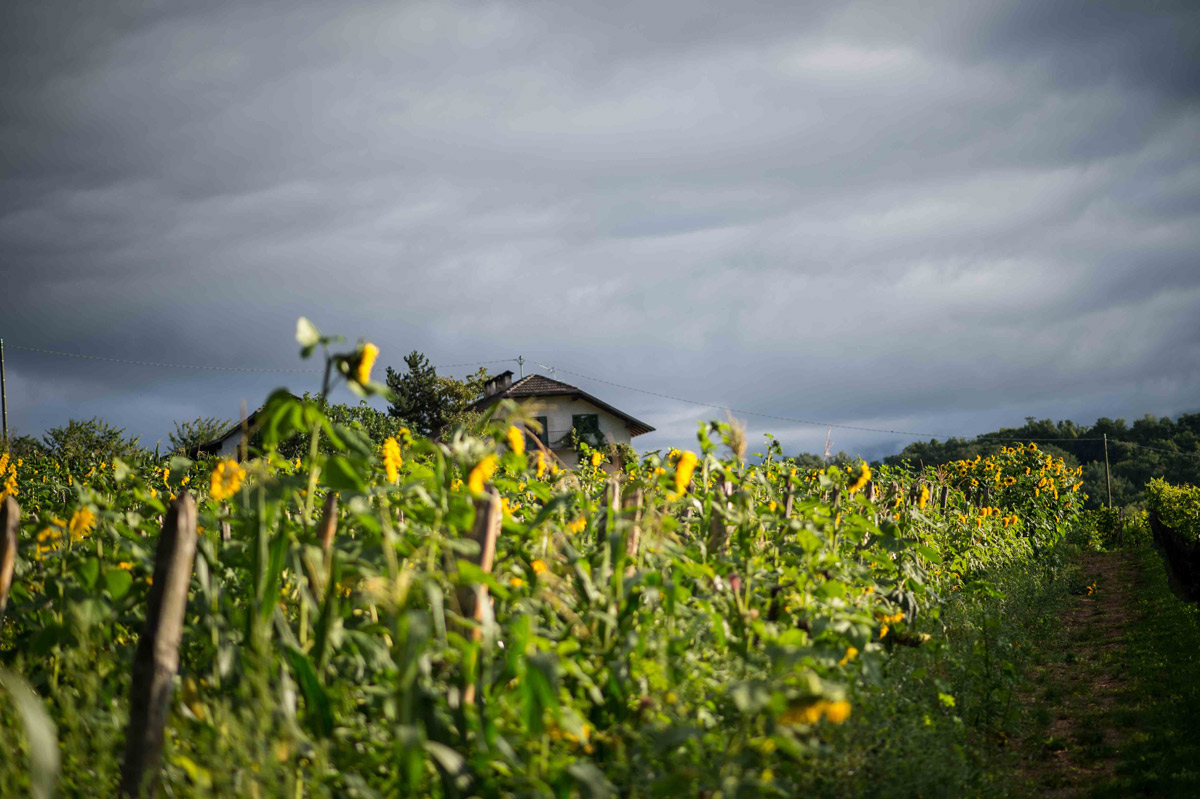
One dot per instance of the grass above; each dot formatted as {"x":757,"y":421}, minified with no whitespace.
{"x":1161,"y":705}
{"x":1113,"y":691}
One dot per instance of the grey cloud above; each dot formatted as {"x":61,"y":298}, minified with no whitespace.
{"x":909,"y":216}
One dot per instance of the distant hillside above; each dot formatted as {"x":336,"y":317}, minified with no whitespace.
{"x":1150,"y":447}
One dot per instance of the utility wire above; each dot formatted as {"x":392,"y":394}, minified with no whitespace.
{"x":162,"y":365}
{"x":474,"y":363}
{"x":1155,"y":449}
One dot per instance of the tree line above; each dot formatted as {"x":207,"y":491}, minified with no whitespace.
{"x":1150,"y":447}
{"x":421,"y":400}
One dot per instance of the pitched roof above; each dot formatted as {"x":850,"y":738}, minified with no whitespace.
{"x":541,"y":386}
{"x":214,"y":445}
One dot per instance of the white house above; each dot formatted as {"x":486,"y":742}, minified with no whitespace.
{"x":561,"y":408}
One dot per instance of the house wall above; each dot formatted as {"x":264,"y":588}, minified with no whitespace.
{"x":559,"y":411}
{"x":229,"y":446}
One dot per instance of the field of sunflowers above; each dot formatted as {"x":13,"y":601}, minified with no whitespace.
{"x":705,"y":622}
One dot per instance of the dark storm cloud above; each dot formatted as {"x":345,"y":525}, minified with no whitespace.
{"x":917,"y":216}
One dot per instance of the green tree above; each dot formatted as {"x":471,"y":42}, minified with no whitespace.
{"x":808,"y":460}
{"x":91,"y":439}
{"x":188,"y":435}
{"x":374,"y":424}
{"x":427,"y":403}
{"x":20,"y":446}
{"x":1151,"y":447}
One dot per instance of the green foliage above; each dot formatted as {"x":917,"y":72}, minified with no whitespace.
{"x":808,"y":460}
{"x":372,"y":424}
{"x":187,"y":436}
{"x":763,"y":614}
{"x":427,"y":403}
{"x":587,"y":431}
{"x":1178,"y":507}
{"x":1160,"y":669}
{"x":1165,"y":448}
{"x":23,"y":446}
{"x":91,"y":438}
{"x":1107,"y":529}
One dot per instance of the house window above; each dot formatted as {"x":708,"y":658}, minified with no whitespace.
{"x":544,"y":434}
{"x":586,"y":427}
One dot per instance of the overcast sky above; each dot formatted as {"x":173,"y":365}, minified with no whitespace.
{"x":919,"y":216}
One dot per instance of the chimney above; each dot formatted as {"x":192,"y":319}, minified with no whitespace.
{"x":499,"y":383}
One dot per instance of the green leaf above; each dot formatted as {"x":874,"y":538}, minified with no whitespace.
{"x":450,"y":762}
{"x":341,"y":474}
{"x":40,"y":734}
{"x":929,"y":553}
{"x":318,"y":712}
{"x":199,"y":775}
{"x":592,"y":782}
{"x":117,"y":582}
{"x":831,"y":589}
{"x":282,"y":417}
{"x":88,"y":571}
{"x":178,"y":463}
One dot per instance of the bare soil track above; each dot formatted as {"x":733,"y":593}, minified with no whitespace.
{"x":1074,"y":706}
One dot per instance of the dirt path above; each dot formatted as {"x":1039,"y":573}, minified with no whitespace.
{"x":1074,"y":707}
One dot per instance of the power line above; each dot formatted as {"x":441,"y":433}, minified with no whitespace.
{"x":474,"y":363}
{"x":163,"y":365}
{"x":1155,"y":449}
{"x":204,"y":367}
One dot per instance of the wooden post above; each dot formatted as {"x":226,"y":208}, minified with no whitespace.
{"x":485,"y":532}
{"x":987,"y":496}
{"x":611,"y":511}
{"x":718,"y":533}
{"x":1107,"y":473}
{"x":3,"y":396}
{"x":473,"y":598}
{"x":634,"y":502}
{"x":10,"y":515}
{"x":944,"y":499}
{"x":329,"y":521}
{"x":157,"y":656}
{"x":870,"y":491}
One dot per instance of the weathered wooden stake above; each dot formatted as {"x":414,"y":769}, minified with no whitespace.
{"x":329,"y":521}
{"x":634,"y":502}
{"x":157,"y":656}
{"x":611,"y":511}
{"x":472,"y":599}
{"x":10,"y":515}
{"x":718,"y":533}
{"x":944,"y":499}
